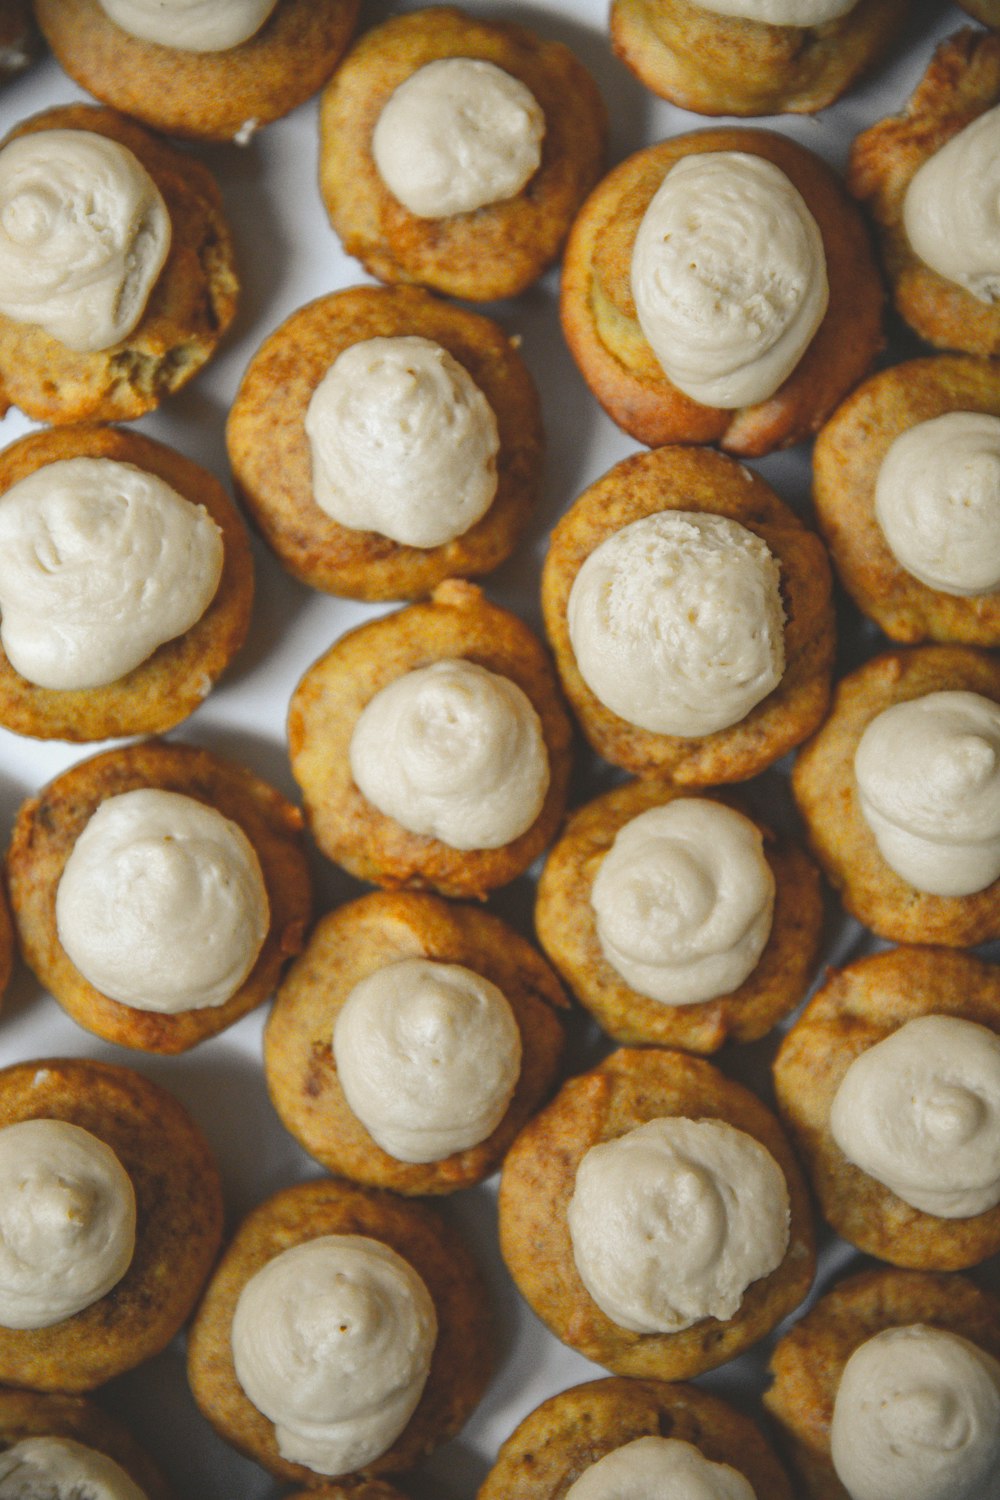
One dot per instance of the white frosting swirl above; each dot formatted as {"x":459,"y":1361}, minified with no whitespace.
{"x":928,"y":776}
{"x":951,"y":211}
{"x":781,"y":12}
{"x":162,"y":904}
{"x":67,"y":1222}
{"x":59,"y":1468}
{"x":920,"y":1112}
{"x":684,"y":900}
{"x":729,"y":277}
{"x":190,"y":25}
{"x":917,"y":1413}
{"x":651,"y":1468}
{"x":673,"y":1221}
{"x":100,"y":563}
{"x":676,"y":622}
{"x":84,"y":235}
{"x":457,"y":135}
{"x":332,"y":1340}
{"x":403,"y":442}
{"x":454,"y":752}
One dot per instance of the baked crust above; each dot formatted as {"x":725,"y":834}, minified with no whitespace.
{"x":500,"y":249}
{"x":602,"y":329}
{"x":826,"y":792}
{"x":47,"y":828}
{"x":699,"y":480}
{"x":627,"y":1089}
{"x":376,"y":1490}
{"x":179,"y":1221}
{"x":457,"y":621}
{"x":26,"y":1414}
{"x":346,"y":947}
{"x":462,"y":1358}
{"x":271,"y":457}
{"x":7,"y":945}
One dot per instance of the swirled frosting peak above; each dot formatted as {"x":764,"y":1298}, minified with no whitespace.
{"x":673,"y":1221}
{"x":683,"y":901}
{"x":951,"y":211}
{"x":84,"y":235}
{"x":332,"y":1340}
{"x":190,"y":25}
{"x":928,"y":777}
{"x":653,"y":1468}
{"x":917,"y":1413}
{"x":59,"y":1468}
{"x":67,"y":1222}
{"x":729,"y":277}
{"x":781,"y":12}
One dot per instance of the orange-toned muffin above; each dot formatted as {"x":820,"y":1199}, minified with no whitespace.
{"x":436,"y":433}
{"x":784,"y":209}
{"x":209,"y":94}
{"x":744,"y":639}
{"x":72,"y":1215}
{"x":450,"y":1042}
{"x":329,"y":1211}
{"x":26,"y":1417}
{"x":472,"y":762}
{"x":659,"y":1119}
{"x":200,"y":894}
{"x":929,"y":778}
{"x":482,"y":222}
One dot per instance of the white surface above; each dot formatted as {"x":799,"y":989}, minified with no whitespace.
{"x":288,"y":255}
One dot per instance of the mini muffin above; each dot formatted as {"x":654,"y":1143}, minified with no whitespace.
{"x":654,"y":1217}
{"x":7,"y":946}
{"x":454,"y":152}
{"x":36,"y":1430}
{"x":652,"y":916}
{"x":188,"y":915}
{"x":722,"y":59}
{"x":441,"y":487}
{"x":898,"y":792}
{"x":328,"y":1251}
{"x":115,"y":1189}
{"x":665,"y":277}
{"x":691,"y":619}
{"x":927,"y":176}
{"x":911,"y":1401}
{"x":376,"y":1490}
{"x":432,"y":747}
{"x":99,"y":365}
{"x":412,"y":1040}
{"x":906,"y":482}
{"x":141,"y":555}
{"x":223,"y":85}
{"x":886,"y":1083}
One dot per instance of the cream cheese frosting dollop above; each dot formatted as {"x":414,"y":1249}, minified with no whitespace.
{"x":455,"y":752}
{"x":951,"y":210}
{"x":190,"y":25}
{"x":937,"y":500}
{"x":100,"y":563}
{"x":928,"y":778}
{"x":67,"y":1222}
{"x":59,"y":1468}
{"x":683,"y":901}
{"x":729,"y":277}
{"x":332,"y":1340}
{"x":677,"y":624}
{"x":671,"y":1222}
{"x":920,"y":1112}
{"x":403,"y":442}
{"x":428,"y":1055}
{"x":84,"y":234}
{"x":650,"y":1468}
{"x":162,"y":904}
{"x":457,"y":135}
{"x":917,"y":1413}
{"x":781,"y":12}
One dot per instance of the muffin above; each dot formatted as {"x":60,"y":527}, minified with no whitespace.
{"x":669,"y":265}
{"x":376,"y":1490}
{"x":39,"y":1434}
{"x":738,"y":593}
{"x":158,"y":891}
{"x":432,"y":747}
{"x":441,"y":486}
{"x":455,"y":152}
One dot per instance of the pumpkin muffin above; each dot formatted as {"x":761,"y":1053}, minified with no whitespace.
{"x":26,"y":1417}
{"x":413,"y":1245}
{"x":739,"y":590}
{"x":455,"y":152}
{"x":249,"y":845}
{"x":75,"y":1189}
{"x":432,"y":747}
{"x":608,"y":1149}
{"x":462,"y":428}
